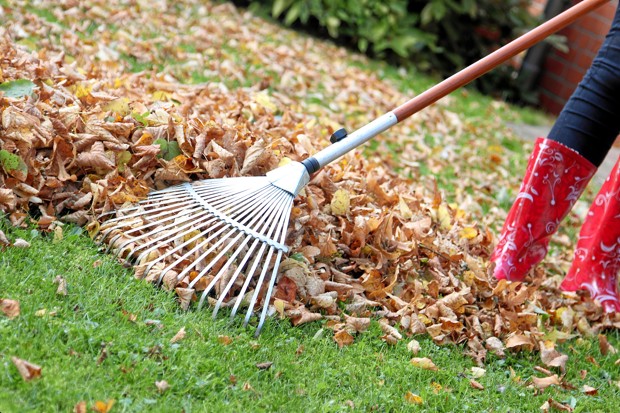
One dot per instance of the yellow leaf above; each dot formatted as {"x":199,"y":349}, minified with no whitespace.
{"x":424,"y":363}
{"x":103,"y":407}
{"x":82,"y":90}
{"x":161,"y":95}
{"x":119,"y":106}
{"x":443,"y":216}
{"x":413,"y":398}
{"x":279,"y":305}
{"x":284,"y":161}
{"x":264,"y":100}
{"x":341,"y":202}
{"x":468,"y":233}
{"x":405,"y":211}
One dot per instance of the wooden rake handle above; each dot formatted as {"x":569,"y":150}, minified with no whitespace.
{"x":496,"y":58}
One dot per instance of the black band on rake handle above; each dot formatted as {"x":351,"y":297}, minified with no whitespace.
{"x":311,"y":164}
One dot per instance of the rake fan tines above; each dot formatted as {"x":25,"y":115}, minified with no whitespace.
{"x":218,"y":236}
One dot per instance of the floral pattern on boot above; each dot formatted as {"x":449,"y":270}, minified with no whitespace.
{"x":554,"y":179}
{"x":597,"y":255}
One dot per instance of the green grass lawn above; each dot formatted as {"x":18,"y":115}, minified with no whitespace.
{"x":110,"y":337}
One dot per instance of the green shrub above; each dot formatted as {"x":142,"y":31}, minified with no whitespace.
{"x":440,"y":36}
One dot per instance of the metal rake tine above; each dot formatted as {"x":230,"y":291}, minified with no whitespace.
{"x":277,"y":216}
{"x":266,"y":227}
{"x":247,"y":206}
{"x":186,"y":216}
{"x":137,"y":216}
{"x":248,"y":278}
{"x":274,"y":274}
{"x":281,"y":227}
{"x":256,"y":217}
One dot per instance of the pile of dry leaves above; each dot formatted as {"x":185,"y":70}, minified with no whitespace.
{"x":90,"y":136}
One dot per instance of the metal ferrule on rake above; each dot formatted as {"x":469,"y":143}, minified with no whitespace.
{"x":226,"y":235}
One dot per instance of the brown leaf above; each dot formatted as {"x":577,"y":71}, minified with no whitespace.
{"x":62,"y":285}
{"x":80,"y":407}
{"x":96,"y":158}
{"x":414,"y":347}
{"x":180,"y":335}
{"x":551,"y":357}
{"x":343,"y":338}
{"x":590,"y":391}
{"x":604,"y":345}
{"x":357,"y":324}
{"x":162,"y":386}
{"x":424,"y":363}
{"x":10,"y":308}
{"x":225,"y":340}
{"x":519,"y":341}
{"x":265,"y":365}
{"x":474,"y":384}
{"x":27,"y":370}
{"x":544,"y":382}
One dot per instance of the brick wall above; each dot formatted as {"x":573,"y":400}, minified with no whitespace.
{"x":562,"y":71}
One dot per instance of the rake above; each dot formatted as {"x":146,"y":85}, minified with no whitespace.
{"x":229,"y":234}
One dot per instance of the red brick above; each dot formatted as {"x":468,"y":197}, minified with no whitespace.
{"x":552,"y":85}
{"x":594,"y":24}
{"x":584,"y":60}
{"x":555,"y":65}
{"x":574,"y":74}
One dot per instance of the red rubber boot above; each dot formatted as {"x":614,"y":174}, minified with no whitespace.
{"x":554,"y":179}
{"x":597,"y":256}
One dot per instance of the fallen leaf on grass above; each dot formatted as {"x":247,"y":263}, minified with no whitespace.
{"x":519,"y":341}
{"x":477,"y":372}
{"x":103,"y":407}
{"x":474,"y":384}
{"x":552,"y":404}
{"x":588,"y":390}
{"x":21,"y":243}
{"x":62,"y":284}
{"x":413,"y":346}
{"x":413,"y":398}
{"x":10,"y":308}
{"x":343,"y":338}
{"x":80,"y":407}
{"x":265,"y":365}
{"x":162,"y":386}
{"x":27,"y":370}
{"x":604,"y":345}
{"x":180,"y":335}
{"x":225,"y":340}
{"x":424,"y":363}
{"x":544,"y":382}
{"x":551,"y":357}
{"x":4,"y":241}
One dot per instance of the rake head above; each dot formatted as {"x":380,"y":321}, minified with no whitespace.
{"x":222,"y":238}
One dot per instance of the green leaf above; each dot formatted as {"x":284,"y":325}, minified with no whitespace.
{"x":167,"y":150}
{"x":17,"y":88}
{"x":122,"y":159}
{"x":173,"y":150}
{"x":163,"y":147}
{"x":11,"y":162}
